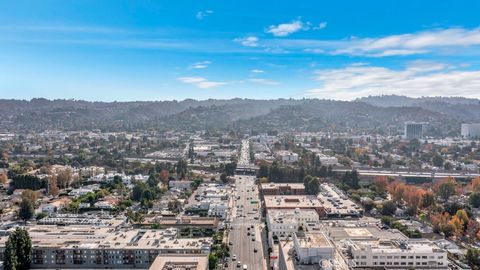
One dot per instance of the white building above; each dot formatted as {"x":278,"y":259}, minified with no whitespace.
{"x":471,"y":130}
{"x":218,"y":209}
{"x":312,"y":248}
{"x":180,"y":185}
{"x":418,"y":254}
{"x":287,"y":156}
{"x":284,"y":223}
{"x":327,"y":160}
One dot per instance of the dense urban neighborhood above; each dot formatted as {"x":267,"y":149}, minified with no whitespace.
{"x":240,"y":199}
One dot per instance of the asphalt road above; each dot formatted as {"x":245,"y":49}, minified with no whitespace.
{"x":243,"y":218}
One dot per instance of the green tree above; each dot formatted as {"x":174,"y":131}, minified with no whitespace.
{"x":18,"y":251}
{"x":446,"y":190}
{"x":26,"y":209}
{"x":212,"y":261}
{"x":475,"y":199}
{"x":223,"y":178}
{"x":389,"y":208}
{"x":473,"y":258}
{"x":437,"y":161}
{"x":10,"y":260}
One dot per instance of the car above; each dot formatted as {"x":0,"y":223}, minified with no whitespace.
{"x":234,"y":258}
{"x":225,"y":265}
{"x":239,"y":264}
{"x":244,"y":267}
{"x":230,"y":243}
{"x":251,"y":226}
{"x":248,"y":229}
{"x":255,"y":250}
{"x":253,"y":239}
{"x":248,"y":233}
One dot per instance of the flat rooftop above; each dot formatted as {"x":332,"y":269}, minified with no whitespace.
{"x":396,"y":246}
{"x":278,"y":185}
{"x":291,"y":201}
{"x":180,"y":262}
{"x":368,"y":233}
{"x":93,"y":237}
{"x":313,"y":240}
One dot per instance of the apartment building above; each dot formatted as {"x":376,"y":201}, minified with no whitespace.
{"x":90,"y":247}
{"x":397,"y":254}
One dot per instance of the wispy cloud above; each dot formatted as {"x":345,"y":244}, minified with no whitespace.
{"x":250,"y":41}
{"x":415,"y":43}
{"x":285,"y":29}
{"x":200,"y":65}
{"x":263,"y":81}
{"x":320,"y":26}
{"x":257,"y":71}
{"x":90,"y":29}
{"x":202,"y":14}
{"x":416,"y":79}
{"x":201,"y":82}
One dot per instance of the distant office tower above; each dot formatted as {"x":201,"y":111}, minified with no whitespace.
{"x":413,"y":130}
{"x":471,"y":130}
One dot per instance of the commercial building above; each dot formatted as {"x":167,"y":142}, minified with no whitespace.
{"x":312,"y":247}
{"x":284,"y":223}
{"x":293,"y":202}
{"x":336,"y":203}
{"x":418,"y":254}
{"x":413,"y":130}
{"x":90,"y":247}
{"x":282,"y":189}
{"x":180,"y":262}
{"x":470,"y":130}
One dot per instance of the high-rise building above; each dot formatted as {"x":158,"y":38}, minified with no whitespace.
{"x":471,"y":130}
{"x":413,"y":130}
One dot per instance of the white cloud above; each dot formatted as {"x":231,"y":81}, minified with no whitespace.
{"x":263,"y":81}
{"x":417,"y":79}
{"x":202,"y":14}
{"x":250,"y":41}
{"x":415,"y":43}
{"x":200,"y":65}
{"x":200,"y":82}
{"x":257,"y":71}
{"x":285,"y":29}
{"x":321,"y":26}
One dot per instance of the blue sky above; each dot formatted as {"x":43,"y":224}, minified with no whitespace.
{"x":162,"y":50}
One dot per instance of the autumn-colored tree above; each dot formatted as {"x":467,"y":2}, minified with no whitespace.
{"x":3,"y":178}
{"x":445,"y":188}
{"x":462,"y":215}
{"x":413,"y":197}
{"x":396,"y":189}
{"x":30,"y":194}
{"x":457,"y":225}
{"x":428,"y":199}
{"x":164,"y":176}
{"x":474,"y":186}
{"x":472,"y":230}
{"x":53,"y":186}
{"x":381,"y":184}
{"x":64,"y":178}
{"x":5,"y":156}
{"x":439,"y":221}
